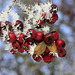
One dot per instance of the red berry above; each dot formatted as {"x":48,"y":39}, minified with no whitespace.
{"x":25,"y":46}
{"x":47,"y":58}
{"x":54,"y":8}
{"x":9,"y":25}
{"x":61,"y":52}
{"x":16,"y":45}
{"x":21,"y":50}
{"x":14,"y":51}
{"x":55,"y":35}
{"x":48,"y":38}
{"x":19,"y":24}
{"x":21,"y":37}
{"x":30,"y":39}
{"x":12,"y":37}
{"x":37,"y":58}
{"x":39,"y":36}
{"x":60,"y":43}
{"x":32,"y":33}
{"x":53,"y":19}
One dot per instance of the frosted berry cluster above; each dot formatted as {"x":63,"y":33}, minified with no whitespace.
{"x":34,"y":35}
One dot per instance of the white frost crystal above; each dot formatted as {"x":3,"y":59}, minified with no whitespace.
{"x":31,"y":51}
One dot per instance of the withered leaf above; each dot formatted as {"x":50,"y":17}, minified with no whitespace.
{"x":52,"y":48}
{"x":40,"y":48}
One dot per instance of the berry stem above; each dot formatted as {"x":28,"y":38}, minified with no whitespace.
{"x":12,"y":4}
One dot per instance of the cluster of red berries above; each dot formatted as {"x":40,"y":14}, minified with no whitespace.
{"x":51,"y":20}
{"x":17,"y":40}
{"x":47,"y":45}
{"x":49,"y":39}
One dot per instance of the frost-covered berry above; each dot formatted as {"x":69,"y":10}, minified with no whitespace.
{"x":21,"y":37}
{"x":47,"y":58}
{"x":54,"y":8}
{"x":53,"y":19}
{"x":61,"y":52}
{"x":11,"y":37}
{"x":48,"y":38}
{"x":14,"y":51}
{"x":37,"y":58}
{"x":31,"y":33}
{"x":25,"y":46}
{"x":19,"y":25}
{"x":9,"y":25}
{"x":30,"y":39}
{"x":55,"y":35}
{"x":16,"y":45}
{"x":60,"y":43}
{"x":39,"y":36}
{"x":40,"y":23}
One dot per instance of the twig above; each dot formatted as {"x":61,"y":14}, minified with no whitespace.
{"x":10,"y":6}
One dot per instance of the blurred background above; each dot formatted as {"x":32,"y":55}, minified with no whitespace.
{"x":22,"y":64}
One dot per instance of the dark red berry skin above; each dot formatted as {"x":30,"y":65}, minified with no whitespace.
{"x":39,"y":36}
{"x":60,"y":43}
{"x":53,"y":19}
{"x":25,"y":46}
{"x":55,"y":35}
{"x":37,"y":58}
{"x":53,"y":8}
{"x":9,"y":24}
{"x":61,"y":52}
{"x":30,"y":39}
{"x":12,"y":37}
{"x":48,"y":38}
{"x":21,"y":37}
{"x":47,"y":58}
{"x":21,"y":50}
{"x":13,"y":51}
{"x":16,"y":45}
{"x":20,"y":23}
{"x":32,"y":32}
